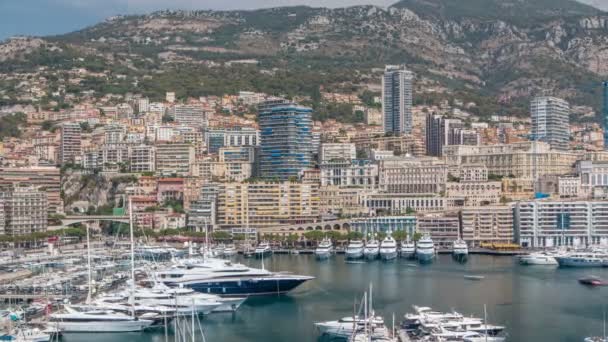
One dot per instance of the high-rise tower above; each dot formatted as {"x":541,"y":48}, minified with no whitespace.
{"x":397,"y":89}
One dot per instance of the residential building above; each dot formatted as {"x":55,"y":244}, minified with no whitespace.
{"x":174,"y":158}
{"x":593,"y":174}
{"x":341,"y":201}
{"x":412,"y":176}
{"x":234,"y":137}
{"x":550,"y":121}
{"x":475,"y":193}
{"x":385,"y":224}
{"x":285,"y":141}
{"x":518,"y":160}
{"x":203,"y":212}
{"x":46,"y":179}
{"x":70,"y":143}
{"x":143,"y":105}
{"x":488,"y":224}
{"x":399,"y":204}
{"x":397,"y":93}
{"x":337,"y":151}
{"x":473,"y":173}
{"x":561,"y":223}
{"x":170,"y":96}
{"x":191,"y":115}
{"x":25,"y":210}
{"x":381,"y":155}
{"x":349,"y":173}
{"x":142,"y":158}
{"x":443,"y":229}
{"x":441,"y":132}
{"x":266,"y":204}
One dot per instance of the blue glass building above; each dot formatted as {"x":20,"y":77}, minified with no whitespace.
{"x":605,"y":114}
{"x":285,"y":140}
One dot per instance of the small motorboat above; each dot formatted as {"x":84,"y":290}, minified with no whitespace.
{"x":593,"y":281}
{"x":473,"y":277}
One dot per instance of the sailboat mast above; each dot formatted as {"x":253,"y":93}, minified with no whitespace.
{"x":90,"y":291}
{"x":132,"y":257}
{"x":485,"y":321}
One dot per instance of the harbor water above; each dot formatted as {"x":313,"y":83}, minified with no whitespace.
{"x":535,"y":303}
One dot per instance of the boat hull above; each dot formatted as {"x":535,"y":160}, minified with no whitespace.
{"x":101,"y":327}
{"x":229,"y":304}
{"x":546,"y":261}
{"x":355,"y":255}
{"x":570,"y":262}
{"x":408,"y":254}
{"x":388,"y":255}
{"x":460,"y":257}
{"x":247,"y":287}
{"x":425,"y":258}
{"x":343,"y":331}
{"x":371,"y":255}
{"x":263,"y":254}
{"x":322,"y":255}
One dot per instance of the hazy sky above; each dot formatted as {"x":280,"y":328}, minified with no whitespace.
{"x":47,"y":17}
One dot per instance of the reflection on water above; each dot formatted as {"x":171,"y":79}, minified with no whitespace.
{"x":535,"y":303}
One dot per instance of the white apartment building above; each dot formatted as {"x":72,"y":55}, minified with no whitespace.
{"x":550,"y":121}
{"x":190,"y":115}
{"x":395,"y":204}
{"x":473,"y":173}
{"x":561,"y":223}
{"x":174,"y":159}
{"x":475,"y":193}
{"x":142,"y":158}
{"x":412,"y":176}
{"x":349,"y":173}
{"x":337,"y":151}
{"x":593,"y":174}
{"x":520,"y":160}
{"x":70,"y":144}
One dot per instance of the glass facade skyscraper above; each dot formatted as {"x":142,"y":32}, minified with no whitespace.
{"x":550,"y":121}
{"x":397,"y":89}
{"x":285,"y":140}
{"x":605,"y":113}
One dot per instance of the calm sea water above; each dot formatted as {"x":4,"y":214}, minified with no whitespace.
{"x":535,"y":303}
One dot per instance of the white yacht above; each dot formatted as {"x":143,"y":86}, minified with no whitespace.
{"x":26,"y":334}
{"x":460,"y":250}
{"x":224,"y":278}
{"x":354,"y":250}
{"x":480,"y":337}
{"x":425,"y":249}
{"x":537,"y":259}
{"x":372,"y":249}
{"x":263,"y":250}
{"x":96,"y":321}
{"x":324,"y":249}
{"x":408,"y":249}
{"x":582,"y":259}
{"x":388,"y":248}
{"x":229,"y":251}
{"x":345,"y":327}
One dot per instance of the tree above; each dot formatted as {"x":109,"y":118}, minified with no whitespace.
{"x":47,"y":125}
{"x":417,"y":236}
{"x":314,"y":235}
{"x":409,"y":211}
{"x":85,"y":127}
{"x":354,"y":235}
{"x":400,"y":235}
{"x":221,"y":235}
